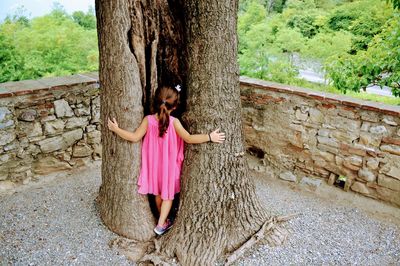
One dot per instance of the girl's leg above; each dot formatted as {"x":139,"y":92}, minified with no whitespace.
{"x":158,"y":203}
{"x":165,"y":208}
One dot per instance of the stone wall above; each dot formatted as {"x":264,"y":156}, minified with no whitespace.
{"x":47,"y":125}
{"x":305,"y":136}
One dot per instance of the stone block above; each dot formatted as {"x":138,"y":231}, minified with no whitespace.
{"x":49,"y":164}
{"x":327,"y":148}
{"x":346,"y":124}
{"x":61,"y":142}
{"x":360,"y":188}
{"x":316,"y":116}
{"x":48,"y":118}
{"x":6,"y":137}
{"x":348,"y":136}
{"x":332,"y":179}
{"x":354,"y":160}
{"x":300,"y":115}
{"x":288,"y":176}
{"x":370,"y":139}
{"x":394,"y":171}
{"x":369,"y":116}
{"x":90,"y":128}
{"x":54,"y":127}
{"x":94,"y":137}
{"x":312,"y":182}
{"x":366,"y":175}
{"x":4,"y":111}
{"x":389,"y":195}
{"x":6,"y":124}
{"x":51,"y":144}
{"x":351,"y":166}
{"x":328,"y":141}
{"x":379,"y":130}
{"x":323,"y":132}
{"x":74,"y":122}
{"x":81,"y":150}
{"x":372,"y":163}
{"x":4,"y":158}
{"x":95,"y":110}
{"x":29,"y":129}
{"x":393,"y":149}
{"x":97,"y":150}
{"x":82,"y":111}
{"x":390,"y":140}
{"x":28,"y":115}
{"x":389,"y":182}
{"x":389,"y":120}
{"x":62,"y":108}
{"x":73,"y":136}
{"x":365,"y":126}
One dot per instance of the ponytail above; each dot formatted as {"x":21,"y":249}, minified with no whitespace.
{"x":165,"y":100}
{"x":163,"y":121}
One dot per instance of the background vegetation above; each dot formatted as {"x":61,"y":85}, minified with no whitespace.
{"x":354,"y":42}
{"x":52,"y":45}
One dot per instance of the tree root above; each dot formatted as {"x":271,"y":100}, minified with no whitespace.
{"x":133,"y":250}
{"x":148,"y":253}
{"x":269,"y":231}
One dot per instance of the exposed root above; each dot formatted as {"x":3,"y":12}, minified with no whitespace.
{"x":148,"y":253}
{"x":273,"y":234}
{"x":133,"y":250}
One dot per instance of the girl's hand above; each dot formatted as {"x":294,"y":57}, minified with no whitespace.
{"x":217,"y":137}
{"x":112,"y":125}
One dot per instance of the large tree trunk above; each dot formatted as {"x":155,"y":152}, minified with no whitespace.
{"x":140,"y":45}
{"x":121,"y":209}
{"x":219,"y":208}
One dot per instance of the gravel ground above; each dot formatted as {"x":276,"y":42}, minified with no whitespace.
{"x":56,"y":223}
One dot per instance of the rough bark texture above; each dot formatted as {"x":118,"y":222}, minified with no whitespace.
{"x":122,"y":210}
{"x":140,"y":44}
{"x":219,"y":208}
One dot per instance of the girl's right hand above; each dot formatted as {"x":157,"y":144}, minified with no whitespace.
{"x":217,"y":137}
{"x":112,"y":125}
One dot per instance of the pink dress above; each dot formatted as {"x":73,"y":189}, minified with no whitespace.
{"x":161,"y":161}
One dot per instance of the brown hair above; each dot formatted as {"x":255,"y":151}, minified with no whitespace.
{"x":166,"y":99}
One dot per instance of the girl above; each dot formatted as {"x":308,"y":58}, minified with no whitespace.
{"x":162,"y":151}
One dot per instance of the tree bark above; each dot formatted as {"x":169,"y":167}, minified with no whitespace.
{"x":144,"y":44}
{"x":140,"y":45}
{"x":219,"y":208}
{"x":124,"y":212}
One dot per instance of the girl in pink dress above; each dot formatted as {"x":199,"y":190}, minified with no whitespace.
{"x":162,"y":151}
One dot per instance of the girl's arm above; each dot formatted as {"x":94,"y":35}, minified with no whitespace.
{"x":125,"y":134}
{"x":214,"y":136}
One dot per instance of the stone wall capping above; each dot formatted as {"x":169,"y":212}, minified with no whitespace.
{"x":23,"y":87}
{"x":323,"y":96}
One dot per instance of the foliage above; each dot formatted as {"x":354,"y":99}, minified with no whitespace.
{"x":50,"y":45}
{"x":86,"y":20}
{"x":380,"y":64}
{"x":342,"y":33}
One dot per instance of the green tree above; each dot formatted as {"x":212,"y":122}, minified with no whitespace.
{"x":86,"y":20}
{"x":380,"y":64}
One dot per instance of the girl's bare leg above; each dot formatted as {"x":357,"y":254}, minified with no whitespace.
{"x":165,"y":208}
{"x":158,"y":203}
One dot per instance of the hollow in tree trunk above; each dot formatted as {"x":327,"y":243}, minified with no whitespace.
{"x":219,"y":207}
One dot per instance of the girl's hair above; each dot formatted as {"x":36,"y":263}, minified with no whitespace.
{"x":166,"y":99}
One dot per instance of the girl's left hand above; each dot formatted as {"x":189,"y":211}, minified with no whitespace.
{"x":112,"y":125}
